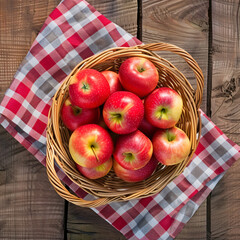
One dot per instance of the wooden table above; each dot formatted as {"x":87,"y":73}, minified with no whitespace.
{"x":209,"y":30}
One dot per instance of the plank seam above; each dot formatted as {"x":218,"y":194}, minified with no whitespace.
{"x":139,"y":19}
{"x":210,"y":62}
{"x":209,"y":106}
{"x":65,"y":220}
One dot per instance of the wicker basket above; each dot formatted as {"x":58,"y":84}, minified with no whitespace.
{"x":110,"y":188}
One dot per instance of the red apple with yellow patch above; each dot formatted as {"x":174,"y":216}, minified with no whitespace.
{"x":123,"y":112}
{"x":96,"y":172}
{"x":90,"y":145}
{"x":171,"y":146}
{"x":74,"y":117}
{"x":133,"y":151}
{"x":163,"y":107}
{"x":138,"y":75}
{"x":88,"y":88}
{"x":135,"y":175}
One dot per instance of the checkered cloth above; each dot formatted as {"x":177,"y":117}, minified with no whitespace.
{"x":73,"y":32}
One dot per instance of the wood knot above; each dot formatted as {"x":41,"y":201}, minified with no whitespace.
{"x":229,"y":88}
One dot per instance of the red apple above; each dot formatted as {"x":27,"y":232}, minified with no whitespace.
{"x":113,"y":80}
{"x":133,"y":151}
{"x":138,"y":75}
{"x":96,"y":172}
{"x":88,"y":89}
{"x":171,"y":146}
{"x":73,"y":116}
{"x":90,"y":145}
{"x":123,"y":112}
{"x":163,"y":107}
{"x":135,"y":175}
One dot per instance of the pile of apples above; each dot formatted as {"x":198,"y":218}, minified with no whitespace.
{"x":123,"y":121}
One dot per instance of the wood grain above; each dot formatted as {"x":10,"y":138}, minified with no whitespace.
{"x":185,"y":24}
{"x":82,"y":223}
{"x":29,"y":207}
{"x":226,"y":113}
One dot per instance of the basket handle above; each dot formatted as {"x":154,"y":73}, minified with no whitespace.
{"x":161,"y":46}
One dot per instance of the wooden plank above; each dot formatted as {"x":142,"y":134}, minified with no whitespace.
{"x":29,"y":207}
{"x":225,"y":200}
{"x":83,"y":223}
{"x":183,"y":23}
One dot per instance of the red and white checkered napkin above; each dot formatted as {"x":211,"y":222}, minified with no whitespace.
{"x":72,"y":32}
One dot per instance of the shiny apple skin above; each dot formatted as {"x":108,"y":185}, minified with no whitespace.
{"x":163,"y":107}
{"x":138,"y":75}
{"x":123,"y":112}
{"x":135,"y":175}
{"x":171,"y":146}
{"x":88,"y":88}
{"x":90,"y":145}
{"x":96,"y":172}
{"x":113,"y":80}
{"x":133,"y":151}
{"x":74,"y":117}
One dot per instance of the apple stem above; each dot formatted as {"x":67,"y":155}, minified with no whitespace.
{"x":115,"y":116}
{"x":161,"y":112}
{"x":170,"y":136}
{"x":141,"y":69}
{"x":160,"y":117}
{"x":128,"y":157}
{"x":92,"y":147}
{"x":76,"y":110}
{"x":85,"y":87}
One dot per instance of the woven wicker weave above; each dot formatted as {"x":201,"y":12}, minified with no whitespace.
{"x":110,"y":188}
